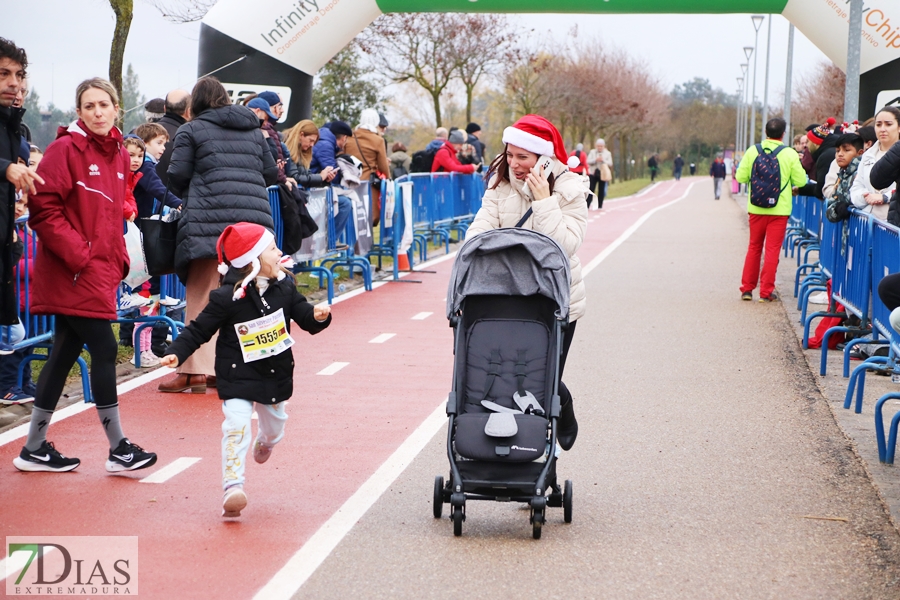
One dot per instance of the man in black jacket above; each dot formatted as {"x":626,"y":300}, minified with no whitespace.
{"x":13,"y":176}
{"x":178,"y":112}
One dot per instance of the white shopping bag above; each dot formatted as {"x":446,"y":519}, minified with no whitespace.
{"x":134,"y":245}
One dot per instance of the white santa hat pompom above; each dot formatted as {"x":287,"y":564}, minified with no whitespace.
{"x":573,"y":162}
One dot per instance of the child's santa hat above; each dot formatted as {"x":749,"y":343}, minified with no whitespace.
{"x":240,"y":245}
{"x":536,"y":134}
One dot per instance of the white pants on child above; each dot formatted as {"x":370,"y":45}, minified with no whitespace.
{"x":236,"y":432}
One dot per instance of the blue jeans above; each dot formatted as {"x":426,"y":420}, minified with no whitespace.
{"x":9,"y":364}
{"x":345,"y":211}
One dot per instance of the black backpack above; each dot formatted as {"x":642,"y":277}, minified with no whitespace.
{"x":765,"y":178}
{"x":422,"y":161}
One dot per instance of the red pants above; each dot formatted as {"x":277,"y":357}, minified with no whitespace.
{"x":765,"y":231}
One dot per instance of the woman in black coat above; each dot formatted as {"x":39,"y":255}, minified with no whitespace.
{"x":885,"y":172}
{"x":220,"y":167}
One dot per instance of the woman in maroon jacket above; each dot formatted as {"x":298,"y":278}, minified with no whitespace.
{"x":81,"y":258}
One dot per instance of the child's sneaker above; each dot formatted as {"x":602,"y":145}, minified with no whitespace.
{"x":169,"y":301}
{"x":129,"y":457}
{"x":234,"y":502}
{"x":261,"y":452}
{"x":148,"y":359}
{"x":16,"y":396}
{"x":46,"y":458}
{"x":129,"y":301}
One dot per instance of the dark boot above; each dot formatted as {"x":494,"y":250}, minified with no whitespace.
{"x":566,"y":426}
{"x":183,"y":382}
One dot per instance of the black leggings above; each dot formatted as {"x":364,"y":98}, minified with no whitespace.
{"x":72,"y":333}
{"x":565,"y":396}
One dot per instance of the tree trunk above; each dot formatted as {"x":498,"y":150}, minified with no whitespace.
{"x":437,"y":108}
{"x":124,"y":10}
{"x":470,"y":91}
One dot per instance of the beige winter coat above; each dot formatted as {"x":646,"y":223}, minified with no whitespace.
{"x":562,"y":216}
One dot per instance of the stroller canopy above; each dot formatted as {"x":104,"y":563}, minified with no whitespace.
{"x":511,"y":262}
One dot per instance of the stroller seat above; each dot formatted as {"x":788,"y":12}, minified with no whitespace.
{"x":504,"y":356}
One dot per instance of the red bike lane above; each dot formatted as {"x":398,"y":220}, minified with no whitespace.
{"x":342,"y":427}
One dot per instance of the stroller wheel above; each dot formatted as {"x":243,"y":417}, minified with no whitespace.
{"x":458,"y":518}
{"x":438,"y":496}
{"x":537,"y":521}
{"x":567,"y":501}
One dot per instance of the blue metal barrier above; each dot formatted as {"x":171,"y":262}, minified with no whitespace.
{"x":851,"y":286}
{"x":795,"y":228}
{"x":815,"y":280}
{"x":812,"y":226}
{"x":885,"y":259}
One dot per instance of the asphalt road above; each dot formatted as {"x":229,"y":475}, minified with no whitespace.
{"x":707,"y":465}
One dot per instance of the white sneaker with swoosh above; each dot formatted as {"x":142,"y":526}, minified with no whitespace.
{"x":129,"y":457}
{"x":46,"y":458}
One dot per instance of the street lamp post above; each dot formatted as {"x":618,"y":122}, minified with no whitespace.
{"x":765,"y":106}
{"x":744,"y":70}
{"x":757,"y":23}
{"x":748,"y":52}
{"x":787,"y":83}
{"x":737,"y":115}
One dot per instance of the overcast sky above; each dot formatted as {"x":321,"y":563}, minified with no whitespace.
{"x":69,"y":41}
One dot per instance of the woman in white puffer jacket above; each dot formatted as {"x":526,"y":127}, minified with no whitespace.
{"x":557,"y":198}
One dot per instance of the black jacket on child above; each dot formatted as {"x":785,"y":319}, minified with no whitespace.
{"x":883,"y":173}
{"x":268,"y":380}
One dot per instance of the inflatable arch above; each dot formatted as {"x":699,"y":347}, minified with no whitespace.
{"x":284,"y":42}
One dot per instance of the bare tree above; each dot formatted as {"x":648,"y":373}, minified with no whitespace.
{"x":526,"y":81}
{"x":182,"y":11}
{"x":124,"y":11}
{"x":415,"y":47}
{"x":489,"y":43}
{"x":820,"y":95}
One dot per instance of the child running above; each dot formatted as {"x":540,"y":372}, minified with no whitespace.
{"x":252,"y":311}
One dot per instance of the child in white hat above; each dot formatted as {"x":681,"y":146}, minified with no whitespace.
{"x":254,"y":363}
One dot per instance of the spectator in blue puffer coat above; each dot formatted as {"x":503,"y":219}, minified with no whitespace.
{"x":332,"y":139}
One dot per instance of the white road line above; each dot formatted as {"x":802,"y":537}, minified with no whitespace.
{"x":333,"y":368}
{"x":170,"y":470}
{"x":628,"y":233}
{"x":11,"y":566}
{"x":73,"y":409}
{"x":307,"y":559}
{"x":422,"y":316}
{"x":380,"y":339}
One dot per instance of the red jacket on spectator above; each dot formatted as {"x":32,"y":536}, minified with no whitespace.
{"x":130,"y":206}
{"x":582,"y":156}
{"x":445,"y":160}
{"x":77,"y":217}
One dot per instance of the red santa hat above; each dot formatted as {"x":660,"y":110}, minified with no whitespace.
{"x":536,"y":134}
{"x":240,"y":245}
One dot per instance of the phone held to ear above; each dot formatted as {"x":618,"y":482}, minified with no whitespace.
{"x":542,"y":161}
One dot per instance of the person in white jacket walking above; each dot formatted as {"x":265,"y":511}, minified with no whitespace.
{"x":600,"y":164}
{"x":557,"y":200}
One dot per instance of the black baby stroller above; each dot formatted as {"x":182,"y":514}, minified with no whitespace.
{"x":507,"y":303}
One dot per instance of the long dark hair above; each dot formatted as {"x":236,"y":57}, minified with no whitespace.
{"x":208,"y":93}
{"x":500,"y":167}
